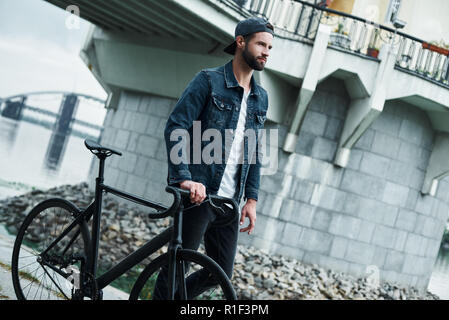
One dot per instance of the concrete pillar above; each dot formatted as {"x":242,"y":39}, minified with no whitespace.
{"x":308,"y":86}
{"x":362,"y":112}
{"x":61,"y":131}
{"x":438,"y":167}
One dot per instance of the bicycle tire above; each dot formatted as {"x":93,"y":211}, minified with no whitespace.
{"x":184,"y":255}
{"x":27,"y":241}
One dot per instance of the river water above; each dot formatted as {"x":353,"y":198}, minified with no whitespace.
{"x":30,"y":156}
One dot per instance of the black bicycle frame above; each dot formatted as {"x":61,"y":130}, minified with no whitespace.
{"x":172,"y":234}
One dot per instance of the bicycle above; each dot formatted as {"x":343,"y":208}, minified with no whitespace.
{"x":65,"y":265}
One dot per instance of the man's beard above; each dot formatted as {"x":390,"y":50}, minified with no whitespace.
{"x":251,"y":60}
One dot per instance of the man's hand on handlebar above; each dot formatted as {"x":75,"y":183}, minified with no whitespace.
{"x":197,"y":190}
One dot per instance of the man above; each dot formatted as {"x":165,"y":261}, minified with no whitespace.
{"x":220,"y":98}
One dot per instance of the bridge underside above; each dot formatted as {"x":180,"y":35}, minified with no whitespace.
{"x":152,"y":18}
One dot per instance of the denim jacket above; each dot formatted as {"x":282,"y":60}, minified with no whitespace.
{"x":214,"y":97}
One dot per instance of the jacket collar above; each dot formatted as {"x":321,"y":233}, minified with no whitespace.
{"x":231,"y":81}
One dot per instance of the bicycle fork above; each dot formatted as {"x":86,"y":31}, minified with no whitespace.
{"x":176,"y":270}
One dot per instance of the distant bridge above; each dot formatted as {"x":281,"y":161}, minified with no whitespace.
{"x":61,"y":127}
{"x":13,"y":107}
{"x":82,"y":95}
{"x":56,"y":115}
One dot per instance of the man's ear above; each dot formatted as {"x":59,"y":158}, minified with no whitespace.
{"x":240,"y":42}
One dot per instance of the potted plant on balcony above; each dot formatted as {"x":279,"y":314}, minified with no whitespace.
{"x":339,"y":37}
{"x":373,"y":52}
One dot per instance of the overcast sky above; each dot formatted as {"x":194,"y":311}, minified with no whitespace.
{"x":39,"y":53}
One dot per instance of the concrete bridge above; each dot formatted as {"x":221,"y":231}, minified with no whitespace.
{"x":363,"y":138}
{"x":14,"y":106}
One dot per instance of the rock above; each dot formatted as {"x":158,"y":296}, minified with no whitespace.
{"x":269,"y":283}
{"x":115,"y":227}
{"x":245,"y":294}
{"x":263,"y":296}
{"x":396,"y":294}
{"x":250,"y":280}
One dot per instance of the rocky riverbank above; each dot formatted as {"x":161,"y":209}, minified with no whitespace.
{"x":257,"y":275}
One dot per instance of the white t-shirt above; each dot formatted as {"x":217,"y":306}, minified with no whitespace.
{"x":229,"y":181}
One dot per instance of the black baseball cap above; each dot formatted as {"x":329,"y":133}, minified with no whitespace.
{"x":248,"y":26}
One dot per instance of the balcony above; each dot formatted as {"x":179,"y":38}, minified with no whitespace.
{"x":299,"y":20}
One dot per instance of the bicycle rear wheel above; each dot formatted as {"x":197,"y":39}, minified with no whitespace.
{"x":193,"y":262}
{"x":42,"y":274}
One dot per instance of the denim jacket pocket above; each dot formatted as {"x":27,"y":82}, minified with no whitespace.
{"x":220,"y":110}
{"x":221,"y":104}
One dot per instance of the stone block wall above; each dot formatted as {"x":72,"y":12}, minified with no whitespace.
{"x":368,"y":214}
{"x":347,"y":219}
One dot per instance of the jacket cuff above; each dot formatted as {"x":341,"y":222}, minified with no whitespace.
{"x":181,"y":176}
{"x":252,"y":194}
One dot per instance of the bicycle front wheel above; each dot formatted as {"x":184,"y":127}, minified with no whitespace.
{"x":40,"y":273}
{"x":197,"y":267}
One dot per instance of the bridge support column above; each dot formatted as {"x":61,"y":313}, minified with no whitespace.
{"x":438,"y":167}
{"x":61,"y":131}
{"x":308,"y":86}
{"x":362,"y":112}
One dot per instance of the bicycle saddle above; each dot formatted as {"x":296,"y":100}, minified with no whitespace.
{"x":96,"y":148}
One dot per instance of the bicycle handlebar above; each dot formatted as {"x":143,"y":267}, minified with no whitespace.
{"x":178,"y":193}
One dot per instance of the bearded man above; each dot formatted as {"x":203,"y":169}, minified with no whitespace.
{"x":225,"y":97}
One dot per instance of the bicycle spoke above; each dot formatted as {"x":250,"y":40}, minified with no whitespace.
{"x":44,"y":286}
{"x":27,"y":265}
{"x":40,"y":283}
{"x":62,"y":292}
{"x":48,"y":289}
{"x":30,"y":250}
{"x":35,"y":270}
{"x":26,"y":257}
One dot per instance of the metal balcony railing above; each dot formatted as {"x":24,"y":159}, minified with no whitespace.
{"x":420,"y":58}
{"x":299,"y":20}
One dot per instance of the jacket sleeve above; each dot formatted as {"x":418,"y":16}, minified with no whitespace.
{"x":253,"y":178}
{"x":187,"y":109}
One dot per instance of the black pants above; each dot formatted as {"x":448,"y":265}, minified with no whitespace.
{"x":220,"y":243}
